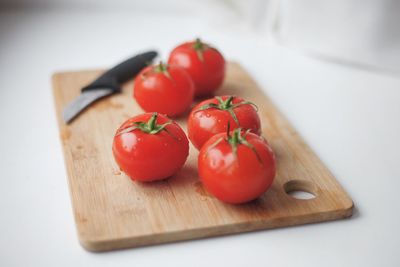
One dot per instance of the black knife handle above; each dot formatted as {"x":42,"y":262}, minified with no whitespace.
{"x":121,"y":73}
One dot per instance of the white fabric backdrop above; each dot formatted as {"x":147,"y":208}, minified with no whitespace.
{"x":360,"y":32}
{"x":357,"y":32}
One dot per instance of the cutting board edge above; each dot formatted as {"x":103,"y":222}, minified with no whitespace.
{"x":210,"y":232}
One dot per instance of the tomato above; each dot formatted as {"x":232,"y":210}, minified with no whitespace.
{"x":150,"y":147}
{"x":236,"y":168}
{"x":213,"y":115}
{"x":205,"y":64}
{"x":165,"y":89}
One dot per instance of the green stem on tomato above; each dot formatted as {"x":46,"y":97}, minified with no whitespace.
{"x":234,"y":140}
{"x":162,"y":68}
{"x":228,"y":106}
{"x":200,"y":47}
{"x":151,"y":124}
{"x":237,"y":139}
{"x":198,"y":44}
{"x":149,"y":127}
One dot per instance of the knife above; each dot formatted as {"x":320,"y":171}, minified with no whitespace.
{"x":107,"y":84}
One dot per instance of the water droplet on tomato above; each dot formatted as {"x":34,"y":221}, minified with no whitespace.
{"x":208,"y":115}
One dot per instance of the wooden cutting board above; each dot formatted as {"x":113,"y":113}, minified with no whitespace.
{"x":112,"y":212}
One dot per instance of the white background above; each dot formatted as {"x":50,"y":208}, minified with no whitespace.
{"x":350,"y":117}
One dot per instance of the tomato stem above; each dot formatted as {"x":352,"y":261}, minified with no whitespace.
{"x":237,"y":139}
{"x":227,"y":103}
{"x":149,"y":127}
{"x":162,"y":68}
{"x":152,"y":122}
{"x":198,"y":44}
{"x":200,"y":47}
{"x":228,"y":106}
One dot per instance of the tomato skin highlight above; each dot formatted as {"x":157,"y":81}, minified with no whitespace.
{"x":203,"y":124}
{"x":149,"y":157}
{"x":169,"y":92}
{"x":236,"y":179}
{"x":207,"y":71}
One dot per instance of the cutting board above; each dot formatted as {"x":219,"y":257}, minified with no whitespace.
{"x":112,"y":212}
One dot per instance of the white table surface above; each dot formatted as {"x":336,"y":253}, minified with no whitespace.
{"x":350,"y":117}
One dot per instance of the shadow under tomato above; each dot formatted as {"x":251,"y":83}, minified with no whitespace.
{"x":184,"y":177}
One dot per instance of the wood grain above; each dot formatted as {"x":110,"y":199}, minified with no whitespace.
{"x":112,"y":212}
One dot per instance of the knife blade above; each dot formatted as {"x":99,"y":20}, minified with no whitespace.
{"x":107,"y":84}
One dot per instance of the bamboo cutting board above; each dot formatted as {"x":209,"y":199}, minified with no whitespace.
{"x":112,"y":212}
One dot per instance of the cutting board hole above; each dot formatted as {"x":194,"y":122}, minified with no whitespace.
{"x":301,"y":189}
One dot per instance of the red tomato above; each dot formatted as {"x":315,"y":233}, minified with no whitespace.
{"x":150,"y":147}
{"x":213,"y":115}
{"x":205,"y":64}
{"x":165,"y":89}
{"x":237,"y":168}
